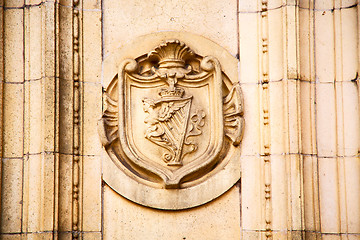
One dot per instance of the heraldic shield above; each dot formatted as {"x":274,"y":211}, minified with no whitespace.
{"x":169,"y":118}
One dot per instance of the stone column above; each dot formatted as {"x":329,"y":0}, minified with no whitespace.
{"x":29,"y":127}
{"x":330,"y":136}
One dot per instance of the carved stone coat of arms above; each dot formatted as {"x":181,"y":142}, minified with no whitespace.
{"x":170,"y":121}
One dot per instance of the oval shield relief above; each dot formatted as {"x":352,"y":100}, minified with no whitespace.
{"x":172,"y":123}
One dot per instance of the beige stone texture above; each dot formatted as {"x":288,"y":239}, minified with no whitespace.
{"x":65,"y":194}
{"x":176,"y":15}
{"x":307,"y":111}
{"x":92,"y":207}
{"x":249,"y":47}
{"x":276,"y":108}
{"x":251,"y":195}
{"x":298,"y":158}
{"x":11,"y":200}
{"x":190,"y":224}
{"x":275,"y":39}
{"x":250,"y":145}
{"x":92,"y":113}
{"x":13,"y":120}
{"x":326,"y":120}
{"x":14,"y":3}
{"x":14,"y":46}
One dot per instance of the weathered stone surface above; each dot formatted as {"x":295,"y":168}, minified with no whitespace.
{"x":296,"y":62}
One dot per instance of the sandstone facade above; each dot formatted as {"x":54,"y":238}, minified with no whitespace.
{"x":296,"y":62}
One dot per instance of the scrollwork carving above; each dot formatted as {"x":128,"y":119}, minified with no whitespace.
{"x":168,"y":120}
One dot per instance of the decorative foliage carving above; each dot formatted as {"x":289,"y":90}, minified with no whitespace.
{"x":168,"y":119}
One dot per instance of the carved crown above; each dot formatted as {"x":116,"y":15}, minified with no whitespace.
{"x":176,"y":92}
{"x":171,"y":53}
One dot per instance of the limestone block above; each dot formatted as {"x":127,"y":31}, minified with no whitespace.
{"x":14,"y":3}
{"x":92,"y":236}
{"x":33,"y":2}
{"x":32,"y":198}
{"x":275,"y":36}
{"x":307,"y":109}
{"x":39,"y":190}
{"x":13,"y":49}
{"x":249,"y":6}
{"x":306,"y":44}
{"x":329,"y":236}
{"x":249,"y":47}
{"x":92,"y":5}
{"x":140,"y":18}
{"x":324,"y":46}
{"x":217,"y":220}
{"x":349,"y":47}
{"x":273,"y":4}
{"x":92,"y":45}
{"x":276,"y":106}
{"x":11,"y":195}
{"x":350,"y":196}
{"x":13,"y":120}
{"x":49,"y":11}
{"x":292,"y":91}
{"x":38,"y":236}
{"x":291,"y":49}
{"x":92,"y":113}
{"x":279,"y":192}
{"x":49,"y":113}
{"x":310,"y":195}
{"x":294,"y":165}
{"x":65,"y":195}
{"x":328,"y":195}
{"x":33,"y":141}
{"x":251,"y":234}
{"x":326,"y":119}
{"x":347,"y":107}
{"x":283,"y":236}
{"x":251,"y":140}
{"x":251,"y":195}
{"x":33,"y":43}
{"x":92,"y":207}
{"x":327,"y":5}
{"x":10,"y":236}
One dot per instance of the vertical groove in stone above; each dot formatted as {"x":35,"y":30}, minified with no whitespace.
{"x":65,"y":120}
{"x":56,"y":121}
{"x":2,"y":23}
{"x":76,"y":118}
{"x":39,"y":191}
{"x":358,"y":60}
{"x":292,"y":123}
{"x":265,"y":120}
{"x":338,"y":38}
{"x":347,"y":126}
{"x":311,"y":217}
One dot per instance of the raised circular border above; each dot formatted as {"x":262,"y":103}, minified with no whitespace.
{"x":171,"y":199}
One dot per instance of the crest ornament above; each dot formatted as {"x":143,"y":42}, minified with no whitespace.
{"x":172,"y":121}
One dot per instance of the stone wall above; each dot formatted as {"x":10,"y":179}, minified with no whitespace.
{"x":297,"y":64}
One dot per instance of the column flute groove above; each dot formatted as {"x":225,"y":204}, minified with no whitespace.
{"x":265,"y":151}
{"x":76,"y":121}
